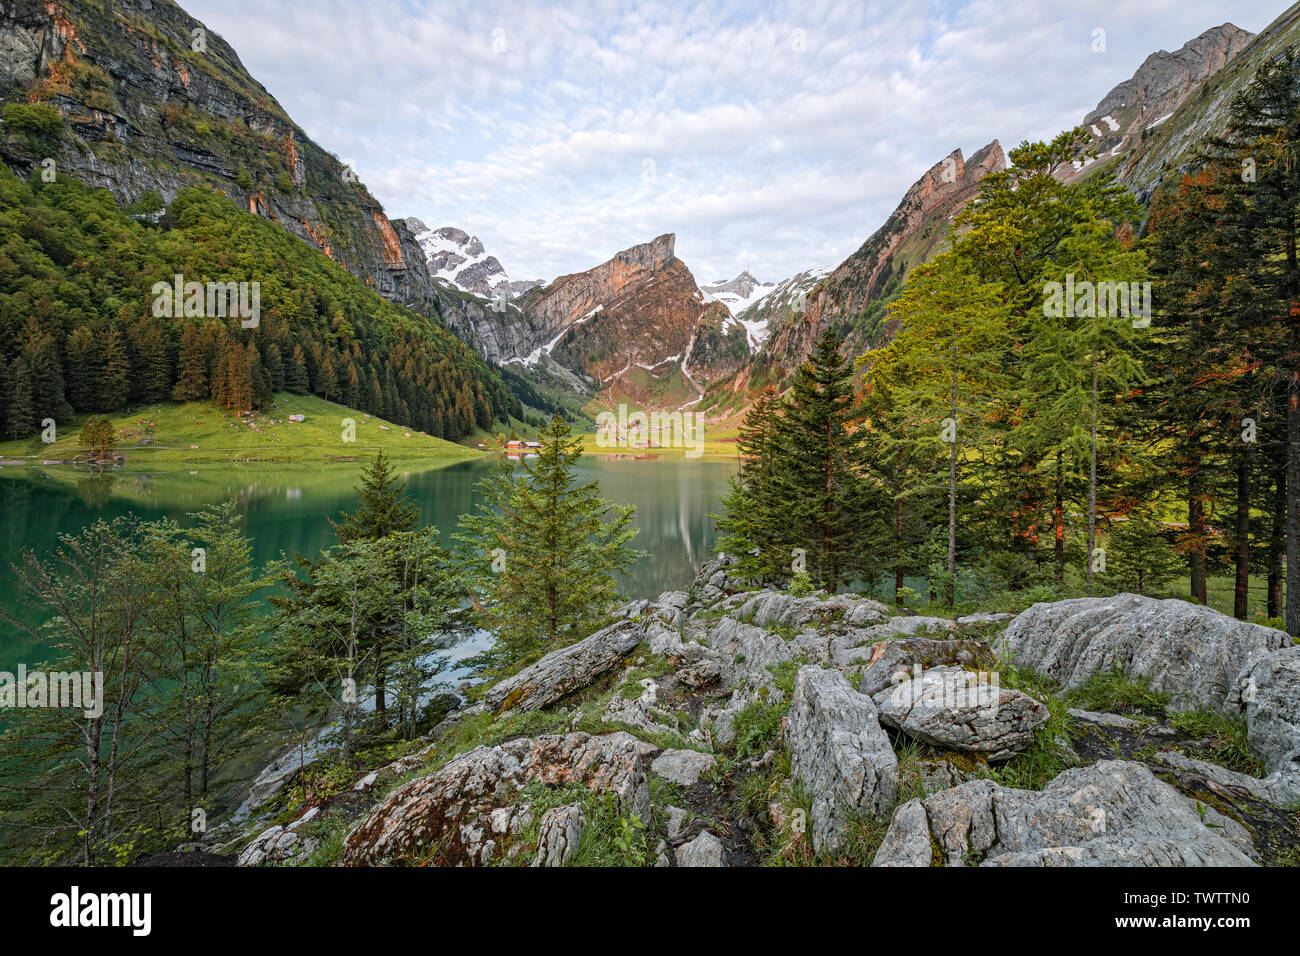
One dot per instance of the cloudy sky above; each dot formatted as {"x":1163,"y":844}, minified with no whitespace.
{"x":775,"y":136}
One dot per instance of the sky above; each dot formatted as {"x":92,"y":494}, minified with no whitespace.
{"x":774,"y":137}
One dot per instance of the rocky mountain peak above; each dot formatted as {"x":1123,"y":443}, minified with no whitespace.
{"x":1161,"y":84}
{"x":459,"y":259}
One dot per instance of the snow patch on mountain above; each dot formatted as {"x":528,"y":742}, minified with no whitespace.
{"x":777,"y":299}
{"x":737,"y":294}
{"x":457,"y":259}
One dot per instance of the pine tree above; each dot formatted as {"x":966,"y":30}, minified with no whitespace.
{"x":751,"y":528}
{"x":20,"y":417}
{"x":84,"y":364}
{"x":545,"y":551}
{"x":296,"y":379}
{"x":382,"y":508}
{"x":115,"y":386}
{"x":192,"y":383}
{"x":819,"y":474}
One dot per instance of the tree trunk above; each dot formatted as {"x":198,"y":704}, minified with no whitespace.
{"x":1241,"y":586}
{"x":1196,"y":530}
{"x":1092,"y":478}
{"x":1277,"y":544}
{"x":1058,"y":521}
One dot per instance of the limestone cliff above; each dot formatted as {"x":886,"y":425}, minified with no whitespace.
{"x":151,"y":101}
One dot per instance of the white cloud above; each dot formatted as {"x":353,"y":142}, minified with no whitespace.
{"x":780,"y":134}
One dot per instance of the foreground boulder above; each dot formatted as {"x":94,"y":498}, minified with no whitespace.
{"x":562,"y":672}
{"x":469,"y":810}
{"x":962,"y":710}
{"x":1192,"y":653}
{"x":889,"y":661}
{"x":839,"y":752}
{"x":282,"y":844}
{"x":1269,"y":693}
{"x":704,"y":850}
{"x":767,"y":608}
{"x":1113,"y":813}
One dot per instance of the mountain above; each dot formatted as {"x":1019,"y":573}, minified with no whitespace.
{"x":1128,"y":114}
{"x":785,"y":298}
{"x":203,"y":174}
{"x":634,"y":323}
{"x":151,"y":101}
{"x":1171,"y":146}
{"x":739,"y":293}
{"x":851,"y":297}
{"x":1142,"y":128}
{"x":455,"y":257}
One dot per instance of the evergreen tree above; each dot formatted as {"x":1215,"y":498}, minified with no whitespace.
{"x":192,"y":384}
{"x":296,"y":379}
{"x":819,"y":474}
{"x":115,"y":386}
{"x":752,"y":528}
{"x":544,"y":551}
{"x":84,"y":364}
{"x":20,"y":416}
{"x":382,"y":507}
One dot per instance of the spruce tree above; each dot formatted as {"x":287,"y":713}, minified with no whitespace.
{"x":751,"y":528}
{"x":545,"y":551}
{"x":819,"y":476}
{"x":382,"y":507}
{"x":192,"y":384}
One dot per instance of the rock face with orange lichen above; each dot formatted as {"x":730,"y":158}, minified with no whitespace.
{"x":470,"y":812}
{"x":149,"y":105}
{"x":625,"y":324}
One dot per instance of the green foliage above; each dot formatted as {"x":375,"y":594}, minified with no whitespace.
{"x":1115,"y":692}
{"x":1228,"y":745}
{"x":99,"y":436}
{"x":543,"y":551}
{"x":37,"y":124}
{"x":381,"y":508}
{"x":612,"y":837}
{"x":174,"y":641}
{"x":78,"y":298}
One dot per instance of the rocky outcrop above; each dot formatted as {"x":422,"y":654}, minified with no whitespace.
{"x":767,"y":608}
{"x":561,"y":672}
{"x":559,"y":834}
{"x":1113,"y":813}
{"x":962,"y":710}
{"x":684,"y":767}
{"x":1149,"y":98}
{"x":282,"y":844}
{"x":839,"y":753}
{"x":459,"y":259}
{"x":1269,"y":693}
{"x":468,"y":812}
{"x":1192,"y":653}
{"x":887,"y":662}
